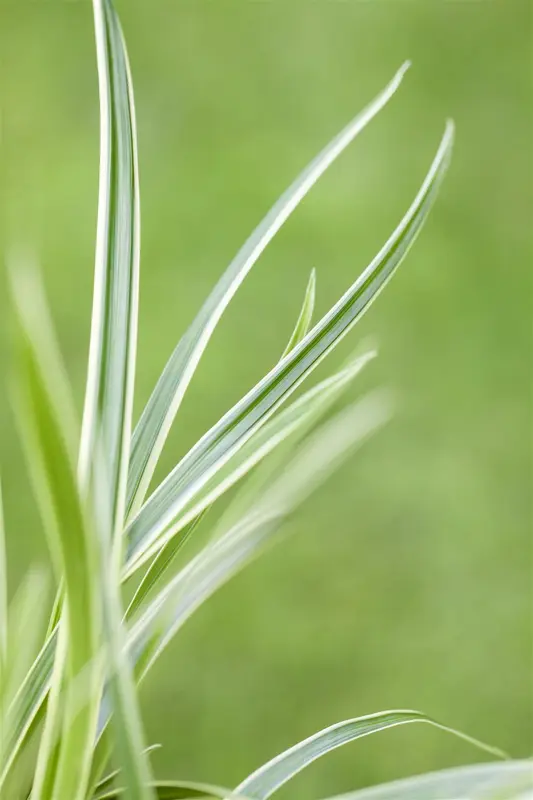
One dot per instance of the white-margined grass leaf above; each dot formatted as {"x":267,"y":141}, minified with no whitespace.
{"x":266,"y":780}
{"x":24,"y":633}
{"x":47,"y":422}
{"x":303,"y":323}
{"x":3,"y":589}
{"x":28,"y":705}
{"x":24,"y":629}
{"x":299,"y":415}
{"x":506,"y":780}
{"x":105,"y":444}
{"x":156,"y":419}
{"x":307,"y":410}
{"x":237,"y":425}
{"x":177,"y":790}
{"x":161,"y":563}
{"x":3,"y":630}
{"x":111,"y":369}
{"x":232,"y":549}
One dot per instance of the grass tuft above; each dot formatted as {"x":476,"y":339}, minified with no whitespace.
{"x":78,"y":697}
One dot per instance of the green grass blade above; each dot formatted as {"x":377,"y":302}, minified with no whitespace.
{"x":303,"y":323}
{"x":109,"y":781}
{"x":55,"y":615}
{"x":232,"y":431}
{"x":131,"y":755}
{"x":156,"y":419}
{"x":177,"y":790}
{"x":492,"y":781}
{"x":266,"y":780}
{"x":232,"y":549}
{"x":161,"y":564}
{"x":28,"y":705}
{"x":3,"y":631}
{"x":109,"y":392}
{"x":45,"y":411}
{"x":46,"y":766}
{"x":305,"y":411}
{"x":105,"y":445}
{"x":24,"y":620}
{"x":25,"y":630}
{"x":3,"y":590}
{"x":111,"y":370}
{"x":296,"y":417}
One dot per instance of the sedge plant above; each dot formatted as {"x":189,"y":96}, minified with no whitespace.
{"x":70,"y":720}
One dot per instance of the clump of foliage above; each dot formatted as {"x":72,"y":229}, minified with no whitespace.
{"x":71,"y":715}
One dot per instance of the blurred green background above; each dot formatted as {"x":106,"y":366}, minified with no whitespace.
{"x":406,"y":581}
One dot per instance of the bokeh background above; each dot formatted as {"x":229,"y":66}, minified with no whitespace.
{"x":406,"y":581}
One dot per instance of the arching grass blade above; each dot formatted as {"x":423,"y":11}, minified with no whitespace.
{"x":156,"y":419}
{"x":105,"y":445}
{"x":111,"y":370}
{"x":233,"y":430}
{"x":491,"y":781}
{"x":266,"y":780}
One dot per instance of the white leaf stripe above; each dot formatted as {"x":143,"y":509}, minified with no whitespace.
{"x":3,"y":596}
{"x":156,"y":419}
{"x":111,"y":428}
{"x":110,"y":379}
{"x":266,"y":780}
{"x":320,"y":454}
{"x":502,"y":780}
{"x":161,"y":563}
{"x":28,"y":703}
{"x":233,"y":430}
{"x":33,"y":694}
{"x":265,"y":439}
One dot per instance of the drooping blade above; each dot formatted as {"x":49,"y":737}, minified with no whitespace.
{"x":266,"y":780}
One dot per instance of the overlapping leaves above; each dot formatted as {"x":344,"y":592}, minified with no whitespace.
{"x":101,"y":529}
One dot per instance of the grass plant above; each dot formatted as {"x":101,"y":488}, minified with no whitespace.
{"x":70,"y":720}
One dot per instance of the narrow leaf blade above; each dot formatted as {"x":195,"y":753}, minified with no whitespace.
{"x":3,"y":588}
{"x":303,"y":323}
{"x":112,"y":353}
{"x":105,"y":445}
{"x":296,"y":418}
{"x":45,"y":411}
{"x":156,"y":419}
{"x":28,"y":705}
{"x":238,"y":424}
{"x":266,"y":780}
{"x":161,"y":564}
{"x":491,"y":781}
